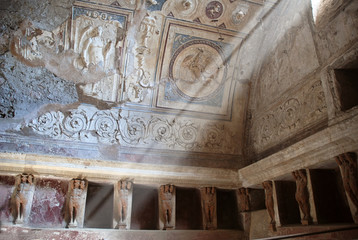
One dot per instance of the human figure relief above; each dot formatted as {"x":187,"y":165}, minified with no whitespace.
{"x":166,"y":196}
{"x":302,"y":196}
{"x":269,"y":203}
{"x":124,"y":188}
{"x":24,"y":191}
{"x":77,"y":190}
{"x":210,"y":206}
{"x":348,"y":164}
{"x":96,"y":49}
{"x":244,"y":199}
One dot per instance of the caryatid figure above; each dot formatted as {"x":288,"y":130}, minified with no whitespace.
{"x":77,"y":189}
{"x":269,"y":203}
{"x":209,"y":206}
{"x":244,"y":198}
{"x":348,"y":164}
{"x":123,"y":193}
{"x":166,"y":195}
{"x":22,"y":196}
{"x":302,"y":196}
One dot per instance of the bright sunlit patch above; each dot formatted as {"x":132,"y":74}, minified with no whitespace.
{"x":315,"y":6}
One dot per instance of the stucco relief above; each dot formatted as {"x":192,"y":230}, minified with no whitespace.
{"x":140,"y":80}
{"x":196,"y":73}
{"x":118,"y":127}
{"x":227,"y":14}
{"x":23,"y":198}
{"x":98,"y":39}
{"x":208,"y":204}
{"x":282,"y":62}
{"x":26,"y":45}
{"x":123,"y":204}
{"x":167,"y":206}
{"x":77,"y":193}
{"x":294,"y":114}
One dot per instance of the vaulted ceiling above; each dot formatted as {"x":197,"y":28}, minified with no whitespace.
{"x":157,"y":81}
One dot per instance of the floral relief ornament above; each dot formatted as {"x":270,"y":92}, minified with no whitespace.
{"x":109,"y":126}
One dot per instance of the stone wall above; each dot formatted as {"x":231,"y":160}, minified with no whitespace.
{"x":287,"y":56}
{"x":24,"y":87}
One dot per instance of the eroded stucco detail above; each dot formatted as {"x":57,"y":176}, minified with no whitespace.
{"x":131,"y":129}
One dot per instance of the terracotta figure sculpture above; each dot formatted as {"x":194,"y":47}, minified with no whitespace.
{"x":209,"y":206}
{"x":77,"y":189}
{"x":269,"y":203}
{"x":166,"y":195}
{"x":244,"y":199}
{"x":302,"y":196}
{"x":123,"y":193}
{"x":348,"y":164}
{"x":22,"y":196}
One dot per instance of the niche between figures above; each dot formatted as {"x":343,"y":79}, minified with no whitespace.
{"x":227,"y":210}
{"x":144,"y":208}
{"x":99,"y":206}
{"x":188,"y":209}
{"x":330,"y":200}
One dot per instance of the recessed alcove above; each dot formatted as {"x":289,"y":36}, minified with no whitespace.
{"x":188,"y":209}
{"x":144,"y":208}
{"x":99,"y":206}
{"x":330,"y":200}
{"x":348,"y":85}
{"x":227,"y":210}
{"x":288,"y":208}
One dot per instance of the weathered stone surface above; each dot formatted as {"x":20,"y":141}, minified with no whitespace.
{"x":6,"y":189}
{"x":13,"y":233}
{"x":48,"y":203}
{"x":25,"y":89}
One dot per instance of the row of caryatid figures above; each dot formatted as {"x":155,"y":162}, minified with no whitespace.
{"x":76,"y":201}
{"x":348,"y":169}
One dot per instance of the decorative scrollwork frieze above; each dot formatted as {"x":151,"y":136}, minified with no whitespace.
{"x":113,"y":127}
{"x":294,"y":114}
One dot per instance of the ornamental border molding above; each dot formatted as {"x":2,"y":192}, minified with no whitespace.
{"x":155,"y":131}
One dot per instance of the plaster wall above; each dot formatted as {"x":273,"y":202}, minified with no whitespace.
{"x":285,"y":58}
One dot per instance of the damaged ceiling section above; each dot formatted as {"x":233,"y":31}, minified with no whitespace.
{"x":134,"y":81}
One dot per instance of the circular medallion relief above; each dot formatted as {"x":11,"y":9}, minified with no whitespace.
{"x":197,"y":70}
{"x":214,"y":9}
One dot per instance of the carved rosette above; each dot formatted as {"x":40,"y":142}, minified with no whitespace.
{"x":162,"y":130}
{"x":133,"y":130}
{"x":105,"y":125}
{"x":290,"y":113}
{"x":314,"y":102}
{"x":238,"y":15}
{"x":48,"y":124}
{"x":75,"y":123}
{"x":213,"y":136}
{"x":269,"y":128}
{"x":187,"y":135}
